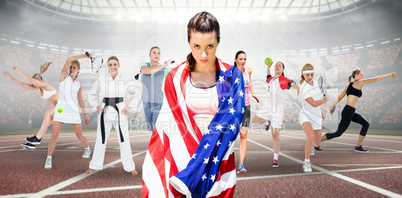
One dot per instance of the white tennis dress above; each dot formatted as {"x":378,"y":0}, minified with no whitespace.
{"x":68,"y":102}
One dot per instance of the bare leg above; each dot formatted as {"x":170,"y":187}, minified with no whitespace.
{"x":78,"y":132}
{"x":317,"y":137}
{"x":243,"y":144}
{"x":55,"y":133}
{"x":134,"y":172}
{"x":47,"y":120}
{"x":258,"y":120}
{"x":88,"y":171}
{"x":308,"y":130}
{"x":276,"y":140}
{"x":324,"y":138}
{"x":360,"y":140}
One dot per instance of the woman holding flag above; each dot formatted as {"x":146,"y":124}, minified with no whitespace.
{"x":191,"y":150}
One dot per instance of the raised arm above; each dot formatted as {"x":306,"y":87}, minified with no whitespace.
{"x":66,"y":67}
{"x":17,"y":82}
{"x":377,"y":78}
{"x":152,"y":70}
{"x":250,"y":87}
{"x":32,"y":80}
{"x":269,"y":69}
{"x":82,"y":105}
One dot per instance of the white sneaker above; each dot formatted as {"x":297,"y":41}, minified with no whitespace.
{"x":307,"y":167}
{"x":312,"y":152}
{"x":87,"y":153}
{"x":48,"y":163}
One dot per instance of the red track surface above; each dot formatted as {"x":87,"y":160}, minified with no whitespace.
{"x":338,"y":171}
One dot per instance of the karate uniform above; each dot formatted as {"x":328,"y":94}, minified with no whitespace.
{"x":113,"y":101}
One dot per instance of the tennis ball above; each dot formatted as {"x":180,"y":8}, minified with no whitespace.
{"x":268,"y":61}
{"x":59,"y":110}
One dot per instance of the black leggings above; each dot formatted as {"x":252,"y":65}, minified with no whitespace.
{"x":349,"y":114}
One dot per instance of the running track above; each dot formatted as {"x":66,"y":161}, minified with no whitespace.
{"x":338,"y":171}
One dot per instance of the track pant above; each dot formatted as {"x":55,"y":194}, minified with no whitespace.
{"x":349,"y":114}
{"x":151,"y":113}
{"x":125,"y":147}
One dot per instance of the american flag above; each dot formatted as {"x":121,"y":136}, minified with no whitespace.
{"x":200,"y":166}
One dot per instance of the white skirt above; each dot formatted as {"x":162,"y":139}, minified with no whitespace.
{"x":70,"y":113}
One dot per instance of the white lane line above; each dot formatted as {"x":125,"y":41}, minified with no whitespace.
{"x":315,"y":173}
{"x":370,"y":138}
{"x":79,"y":191}
{"x":334,"y":142}
{"x":348,"y":179}
{"x":66,"y":192}
{"x":61,"y":185}
{"x":89,"y":141}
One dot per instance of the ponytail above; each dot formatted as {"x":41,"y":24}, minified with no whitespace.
{"x":190,"y":62}
{"x":350,"y":78}
{"x":356,"y":71}
{"x":302,"y":79}
{"x":42,"y":70}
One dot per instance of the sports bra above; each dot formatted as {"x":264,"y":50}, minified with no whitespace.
{"x":47,"y":94}
{"x":353,"y":91}
{"x":203,"y":102}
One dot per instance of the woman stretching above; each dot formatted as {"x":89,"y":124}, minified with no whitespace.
{"x":46,"y":91}
{"x":70,"y":95}
{"x":310,"y":116}
{"x":349,"y":113}
{"x":240,"y":62}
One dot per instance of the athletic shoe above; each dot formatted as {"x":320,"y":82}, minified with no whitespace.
{"x":267,"y":125}
{"x":33,"y":140}
{"x":275,"y":164}
{"x":241,"y":169}
{"x":307,"y":167}
{"x":312,"y":152}
{"x":28,"y":146}
{"x":360,"y":149}
{"x":48,"y":163}
{"x":87,"y":153}
{"x":318,"y":148}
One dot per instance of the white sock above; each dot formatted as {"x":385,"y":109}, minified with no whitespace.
{"x":88,"y":148}
{"x":276,"y":155}
{"x":307,"y":160}
{"x":49,"y":157}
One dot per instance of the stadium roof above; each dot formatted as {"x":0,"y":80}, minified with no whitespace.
{"x":108,"y":10}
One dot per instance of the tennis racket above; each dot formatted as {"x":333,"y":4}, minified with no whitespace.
{"x":96,"y":63}
{"x":320,"y":85}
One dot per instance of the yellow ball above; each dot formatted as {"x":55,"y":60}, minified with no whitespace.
{"x":268,"y":61}
{"x":59,"y":110}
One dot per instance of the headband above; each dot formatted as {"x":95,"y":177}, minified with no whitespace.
{"x":308,"y":71}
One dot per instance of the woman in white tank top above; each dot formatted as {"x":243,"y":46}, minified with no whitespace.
{"x":70,"y":97}
{"x":46,"y":91}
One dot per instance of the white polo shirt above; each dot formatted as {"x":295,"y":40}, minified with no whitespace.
{"x":314,"y":92}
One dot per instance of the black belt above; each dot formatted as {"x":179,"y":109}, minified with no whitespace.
{"x":113,"y":103}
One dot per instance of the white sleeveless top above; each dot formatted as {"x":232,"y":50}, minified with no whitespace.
{"x":203,"y":102}
{"x":68,"y":102}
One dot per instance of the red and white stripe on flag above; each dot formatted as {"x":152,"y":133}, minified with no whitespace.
{"x":174,"y":140}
